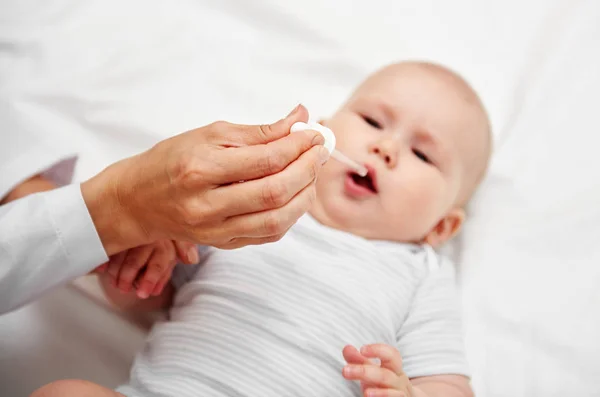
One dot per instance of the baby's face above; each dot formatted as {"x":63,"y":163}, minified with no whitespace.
{"x":422,"y":139}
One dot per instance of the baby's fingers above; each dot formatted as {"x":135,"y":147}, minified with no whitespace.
{"x":114,"y":266}
{"x":383,"y":393}
{"x":353,"y":356}
{"x":160,"y":286}
{"x":380,"y":377}
{"x":134,"y":261}
{"x":100,"y":269}
{"x":389,"y":356}
{"x":161,"y":262}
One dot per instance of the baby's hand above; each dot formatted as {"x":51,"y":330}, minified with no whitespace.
{"x":385,"y":380}
{"x":148,"y":267}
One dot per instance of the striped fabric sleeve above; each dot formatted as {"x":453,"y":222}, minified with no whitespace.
{"x":431,"y":338}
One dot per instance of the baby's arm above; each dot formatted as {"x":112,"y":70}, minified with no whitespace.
{"x":442,"y":385}
{"x":388,"y":379}
{"x":431,"y":342}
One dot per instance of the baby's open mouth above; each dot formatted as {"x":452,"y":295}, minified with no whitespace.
{"x":365,"y":181}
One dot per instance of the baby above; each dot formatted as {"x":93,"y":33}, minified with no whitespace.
{"x":282,"y":319}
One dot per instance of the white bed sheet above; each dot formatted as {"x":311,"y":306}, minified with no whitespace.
{"x":118,"y":76}
{"x":531,"y":252}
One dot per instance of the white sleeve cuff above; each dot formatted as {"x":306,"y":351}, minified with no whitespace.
{"x":46,"y":240}
{"x":75,"y":230}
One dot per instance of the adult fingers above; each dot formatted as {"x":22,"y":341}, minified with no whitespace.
{"x":268,"y":223}
{"x":162,"y":261}
{"x":134,"y":261}
{"x":257,"y":161}
{"x":245,"y":241}
{"x":267,"y":193}
{"x":186,"y":252}
{"x":389,"y":356}
{"x":256,"y":134}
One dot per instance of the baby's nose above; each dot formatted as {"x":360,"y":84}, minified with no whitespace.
{"x":387,"y":150}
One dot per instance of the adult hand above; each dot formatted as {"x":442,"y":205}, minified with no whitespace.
{"x":188,"y":187}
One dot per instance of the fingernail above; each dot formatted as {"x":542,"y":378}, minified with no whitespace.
{"x":318,"y":139}
{"x":293,"y":111}
{"x":193,"y":255}
{"x":142,"y":294}
{"x":364,"y":350}
{"x":324,"y":155}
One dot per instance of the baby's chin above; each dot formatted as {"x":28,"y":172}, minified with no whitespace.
{"x":360,"y":223}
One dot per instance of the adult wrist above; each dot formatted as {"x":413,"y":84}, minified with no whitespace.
{"x":109,"y":209}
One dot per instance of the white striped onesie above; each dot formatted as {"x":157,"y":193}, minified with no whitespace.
{"x":272,"y":320}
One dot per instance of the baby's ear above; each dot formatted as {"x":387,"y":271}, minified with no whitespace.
{"x":446,"y":228}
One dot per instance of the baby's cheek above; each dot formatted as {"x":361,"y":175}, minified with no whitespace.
{"x":427,"y":198}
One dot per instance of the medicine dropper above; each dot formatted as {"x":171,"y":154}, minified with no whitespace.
{"x":330,"y":145}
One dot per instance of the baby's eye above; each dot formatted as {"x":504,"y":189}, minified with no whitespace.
{"x":372,"y":122}
{"x":422,"y":156}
